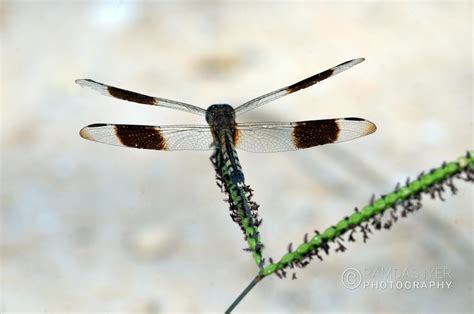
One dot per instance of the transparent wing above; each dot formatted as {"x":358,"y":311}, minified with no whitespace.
{"x":285,"y":136}
{"x":172,"y":137}
{"x":139,"y":98}
{"x":259,"y":101}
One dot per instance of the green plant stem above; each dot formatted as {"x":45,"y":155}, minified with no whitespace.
{"x":244,"y":293}
{"x":408,"y":198}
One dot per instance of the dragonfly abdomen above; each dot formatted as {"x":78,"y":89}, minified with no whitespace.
{"x":230,"y":159}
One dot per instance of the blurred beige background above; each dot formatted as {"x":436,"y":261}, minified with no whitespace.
{"x":91,"y":228}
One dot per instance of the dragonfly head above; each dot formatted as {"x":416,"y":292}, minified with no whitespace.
{"x":220,"y":113}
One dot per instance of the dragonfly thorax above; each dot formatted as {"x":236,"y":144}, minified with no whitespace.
{"x":220,"y":115}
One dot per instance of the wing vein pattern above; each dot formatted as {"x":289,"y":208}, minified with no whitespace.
{"x":127,"y":95}
{"x":266,"y":137}
{"x":266,"y":98}
{"x":171,"y":137}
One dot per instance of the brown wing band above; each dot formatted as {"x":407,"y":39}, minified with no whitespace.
{"x":131,"y":96}
{"x":312,"y":133}
{"x":141,"y":137}
{"x":310,"y":81}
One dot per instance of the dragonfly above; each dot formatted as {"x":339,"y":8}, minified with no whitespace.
{"x":222,"y":132}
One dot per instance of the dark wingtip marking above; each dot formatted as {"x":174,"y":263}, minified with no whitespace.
{"x":82,"y":82}
{"x":97,"y":125}
{"x":310,"y":81}
{"x":312,"y":133}
{"x":130,"y":96}
{"x":145,"y":137}
{"x":354,"y":119}
{"x":359,"y":60}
